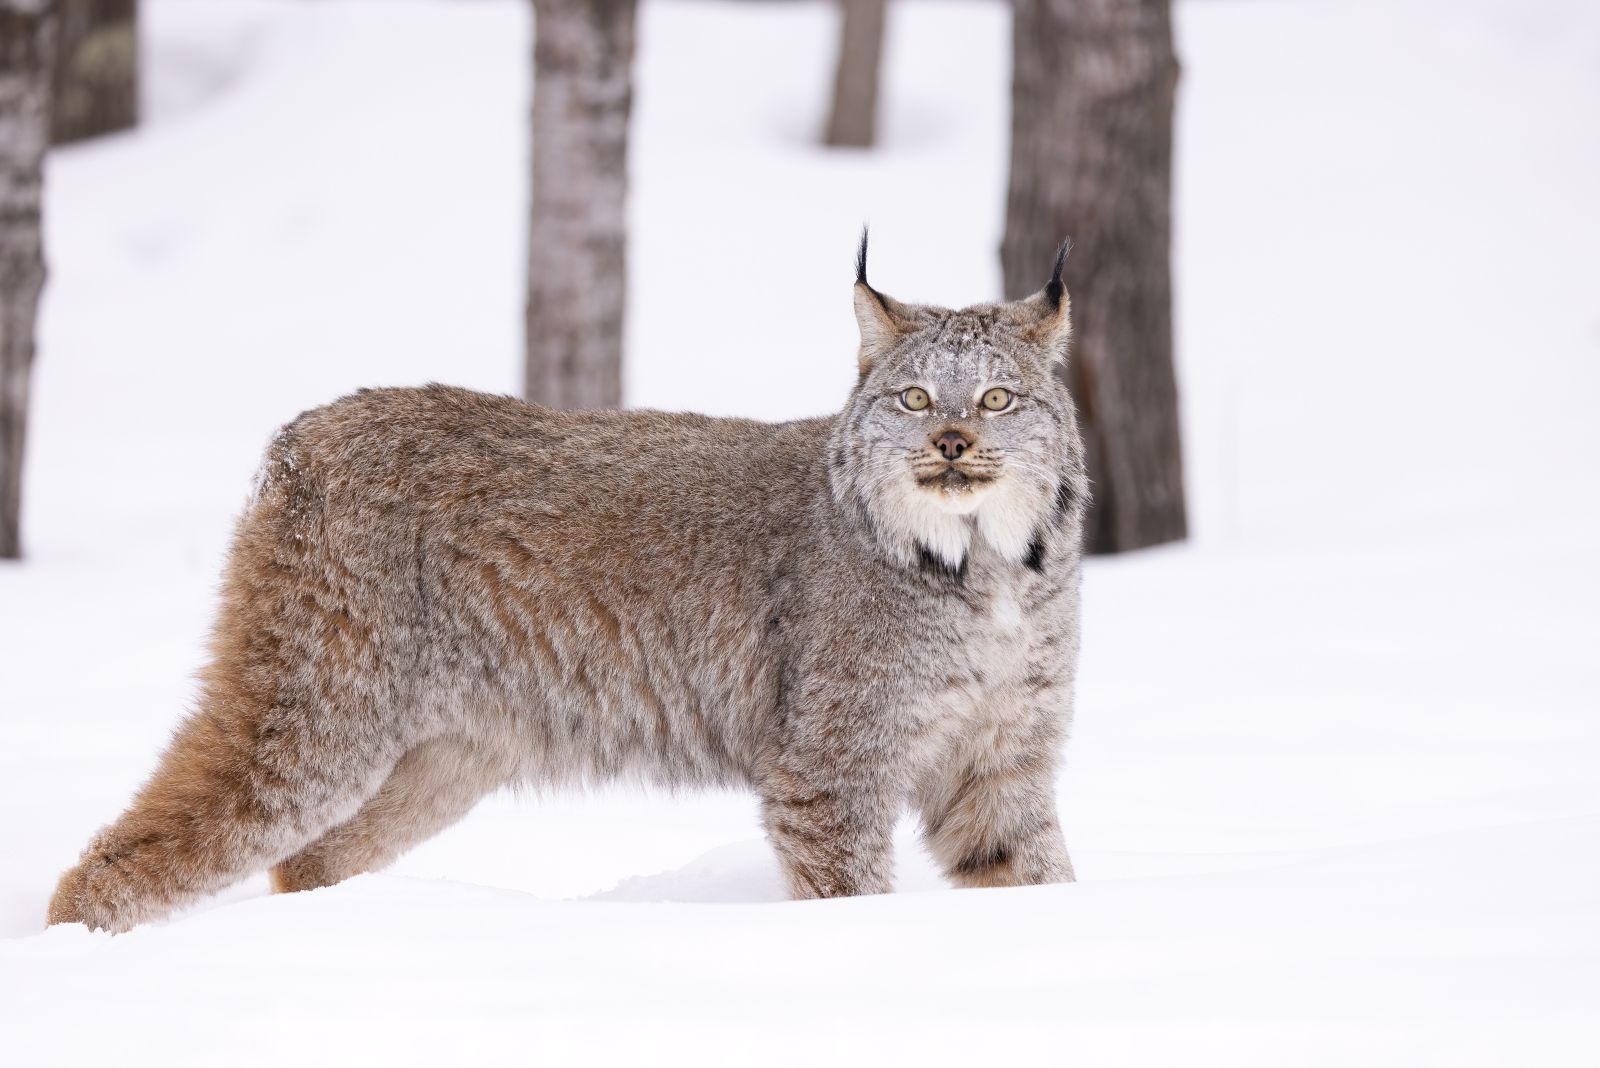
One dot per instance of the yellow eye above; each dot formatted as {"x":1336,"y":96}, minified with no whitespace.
{"x":915,"y":398}
{"x":997,"y":399}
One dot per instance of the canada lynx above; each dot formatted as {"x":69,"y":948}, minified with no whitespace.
{"x":435,"y":592}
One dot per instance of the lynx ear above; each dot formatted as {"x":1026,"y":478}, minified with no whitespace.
{"x":1048,"y":313}
{"x":882,"y":319}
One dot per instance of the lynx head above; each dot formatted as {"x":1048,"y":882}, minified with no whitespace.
{"x":960,"y":427}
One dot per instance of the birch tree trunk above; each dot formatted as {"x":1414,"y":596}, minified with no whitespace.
{"x":577,"y":265}
{"x":26,"y":28}
{"x":1091,"y":157}
{"x":852,"y":120}
{"x":96,"y":78}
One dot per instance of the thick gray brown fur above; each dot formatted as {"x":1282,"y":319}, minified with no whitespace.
{"x":435,"y":592}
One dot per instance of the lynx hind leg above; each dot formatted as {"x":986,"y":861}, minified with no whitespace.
{"x":292,"y":735}
{"x":231,"y":795}
{"x":996,"y":825}
{"x":432,"y":786}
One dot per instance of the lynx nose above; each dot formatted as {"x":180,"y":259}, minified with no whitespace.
{"x":952,"y":443}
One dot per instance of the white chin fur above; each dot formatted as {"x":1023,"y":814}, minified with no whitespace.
{"x":917,"y":518}
{"x":1005,"y":514}
{"x":947,"y":535}
{"x":1008,"y":518}
{"x":959,"y":502}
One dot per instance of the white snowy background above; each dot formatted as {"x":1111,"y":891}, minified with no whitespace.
{"x":1334,"y":785}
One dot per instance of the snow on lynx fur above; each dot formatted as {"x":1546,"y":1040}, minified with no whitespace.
{"x":436,"y":592}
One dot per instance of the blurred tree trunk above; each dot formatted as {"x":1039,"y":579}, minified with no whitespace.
{"x":1091,"y":156}
{"x":96,"y":70}
{"x":853,"y":119}
{"x":26,"y":37}
{"x":577,"y":265}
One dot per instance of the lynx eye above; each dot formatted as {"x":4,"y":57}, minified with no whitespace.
{"x":997,"y":399}
{"x":915,"y":398}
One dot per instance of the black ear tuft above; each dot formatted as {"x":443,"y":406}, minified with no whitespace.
{"x":1052,"y":291}
{"x":861,"y":258}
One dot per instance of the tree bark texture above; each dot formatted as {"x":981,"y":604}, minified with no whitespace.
{"x":1092,"y":93}
{"x":852,"y":121}
{"x":26,"y":39}
{"x":577,"y":264}
{"x":96,"y":70}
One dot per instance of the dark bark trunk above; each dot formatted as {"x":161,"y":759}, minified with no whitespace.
{"x":96,"y":79}
{"x":852,"y":120}
{"x":26,"y":37}
{"x":1091,"y":157}
{"x":577,"y":265}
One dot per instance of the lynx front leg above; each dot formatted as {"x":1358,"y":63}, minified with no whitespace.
{"x":833,"y":840}
{"x":993,"y":822}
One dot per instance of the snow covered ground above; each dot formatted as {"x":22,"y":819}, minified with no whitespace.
{"x":1334,"y":788}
